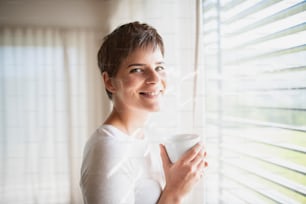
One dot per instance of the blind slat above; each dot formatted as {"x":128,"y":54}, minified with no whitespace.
{"x":231,"y":4}
{"x":276,"y":53}
{"x":288,"y":31}
{"x":253,"y":9}
{"x":300,"y":7}
{"x":298,"y":188}
{"x":258,"y":123}
{"x":278,"y":162}
{"x":271,"y":193}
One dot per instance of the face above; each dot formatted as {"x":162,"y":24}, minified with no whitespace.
{"x":140,"y":81}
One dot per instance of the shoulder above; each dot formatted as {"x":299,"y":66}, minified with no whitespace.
{"x":104,"y":174}
{"x":104,"y":143}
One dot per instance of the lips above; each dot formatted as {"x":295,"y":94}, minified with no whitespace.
{"x":150,"y":93}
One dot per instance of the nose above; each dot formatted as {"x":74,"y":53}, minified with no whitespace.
{"x":152,"y":77}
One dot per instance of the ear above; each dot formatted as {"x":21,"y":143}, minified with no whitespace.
{"x":108,"y":82}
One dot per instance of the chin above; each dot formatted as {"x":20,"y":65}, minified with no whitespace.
{"x":154,"y":109}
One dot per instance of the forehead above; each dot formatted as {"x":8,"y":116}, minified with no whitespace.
{"x":147,"y":54}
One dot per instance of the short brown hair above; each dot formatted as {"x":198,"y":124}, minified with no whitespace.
{"x":122,"y":41}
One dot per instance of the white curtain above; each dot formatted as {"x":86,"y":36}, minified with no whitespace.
{"x":51,"y":100}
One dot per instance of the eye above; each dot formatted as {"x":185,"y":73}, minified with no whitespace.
{"x":160,"y":68}
{"x":136,"y":70}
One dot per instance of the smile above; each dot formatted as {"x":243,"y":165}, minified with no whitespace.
{"x":151,"y":94}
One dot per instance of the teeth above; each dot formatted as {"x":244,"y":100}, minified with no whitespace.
{"x":151,"y":93}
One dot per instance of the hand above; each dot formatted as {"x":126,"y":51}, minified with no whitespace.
{"x":182,"y":175}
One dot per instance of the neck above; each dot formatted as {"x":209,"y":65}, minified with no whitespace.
{"x":130,"y":122}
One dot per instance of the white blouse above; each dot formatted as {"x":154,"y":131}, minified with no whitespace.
{"x":119,"y":169}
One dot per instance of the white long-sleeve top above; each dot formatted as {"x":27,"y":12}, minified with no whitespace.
{"x":118,"y":169}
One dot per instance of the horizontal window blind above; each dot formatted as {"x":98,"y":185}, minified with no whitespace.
{"x":255,"y":68}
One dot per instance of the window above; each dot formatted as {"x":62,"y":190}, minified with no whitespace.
{"x":255,"y":69}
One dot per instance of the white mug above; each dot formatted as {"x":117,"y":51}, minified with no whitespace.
{"x":176,"y":145}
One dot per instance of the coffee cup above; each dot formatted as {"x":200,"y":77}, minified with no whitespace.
{"x":176,"y":145}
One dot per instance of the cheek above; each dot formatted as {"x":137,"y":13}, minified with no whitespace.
{"x":163,"y":78}
{"x":127,"y":83}
{"x":164,"y":82}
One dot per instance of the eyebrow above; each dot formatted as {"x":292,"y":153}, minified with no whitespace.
{"x":141,"y":65}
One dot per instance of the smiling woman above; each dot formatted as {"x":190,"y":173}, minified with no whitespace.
{"x":117,"y":165}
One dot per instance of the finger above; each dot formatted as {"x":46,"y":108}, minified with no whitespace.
{"x":202,"y":164}
{"x":164,"y":156}
{"x":205,"y":166}
{"x":192,"y":153}
{"x":201,"y":167}
{"x":203,"y":152}
{"x":198,"y":159}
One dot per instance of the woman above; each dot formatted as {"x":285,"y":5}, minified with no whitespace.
{"x":117,"y":166}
